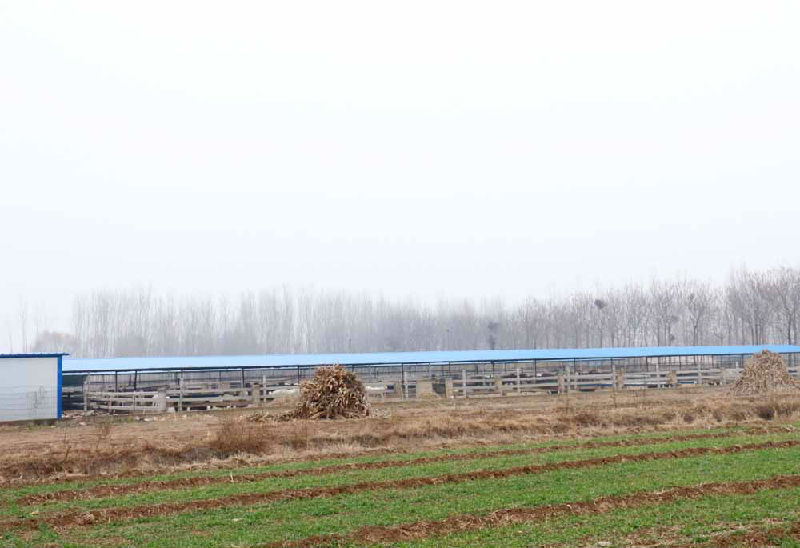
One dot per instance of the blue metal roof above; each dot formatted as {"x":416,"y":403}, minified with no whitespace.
{"x":35,"y":355}
{"x":86,"y":365}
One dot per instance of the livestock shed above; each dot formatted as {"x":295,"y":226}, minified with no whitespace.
{"x":134,"y":384}
{"x":30,"y":386}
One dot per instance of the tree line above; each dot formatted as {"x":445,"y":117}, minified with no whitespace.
{"x":752,"y":307}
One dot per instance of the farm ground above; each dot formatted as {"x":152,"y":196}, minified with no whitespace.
{"x":639,"y":468}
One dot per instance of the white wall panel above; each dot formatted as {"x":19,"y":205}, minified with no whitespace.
{"x":28,"y":388}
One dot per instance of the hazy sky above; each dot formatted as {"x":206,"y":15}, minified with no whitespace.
{"x":409,"y":148}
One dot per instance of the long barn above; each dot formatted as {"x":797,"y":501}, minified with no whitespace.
{"x":187,"y":382}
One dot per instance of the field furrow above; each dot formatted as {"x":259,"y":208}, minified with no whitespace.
{"x":725,"y":480}
{"x":76,"y":518}
{"x":101,"y":491}
{"x":511,"y":516}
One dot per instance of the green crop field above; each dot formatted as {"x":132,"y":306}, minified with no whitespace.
{"x":707,"y":487}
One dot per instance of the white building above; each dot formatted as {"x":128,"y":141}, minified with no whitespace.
{"x":30,"y":386}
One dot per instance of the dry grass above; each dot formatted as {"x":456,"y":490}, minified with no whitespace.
{"x":237,"y":436}
{"x":224,"y":438}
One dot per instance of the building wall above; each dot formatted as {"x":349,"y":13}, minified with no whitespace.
{"x":29,"y":389}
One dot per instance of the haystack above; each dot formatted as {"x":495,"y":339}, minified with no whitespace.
{"x":333,"y":392}
{"x":764,"y":373}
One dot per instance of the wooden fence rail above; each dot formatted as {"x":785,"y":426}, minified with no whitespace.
{"x":466,"y":385}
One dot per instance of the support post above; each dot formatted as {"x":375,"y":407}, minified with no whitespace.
{"x":574,"y":376}
{"x":619,"y":380}
{"x":448,"y":387}
{"x":180,"y":391}
{"x":160,"y":401}
{"x":464,"y":382}
{"x":614,"y":376}
{"x":518,"y":389}
{"x":86,"y":393}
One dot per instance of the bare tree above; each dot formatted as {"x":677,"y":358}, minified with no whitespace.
{"x":699,"y":300}
{"x":753,"y":307}
{"x":783,"y":293}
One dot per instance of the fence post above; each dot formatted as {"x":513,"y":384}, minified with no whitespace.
{"x":263,"y":393}
{"x":561,"y":383}
{"x":614,"y":376}
{"x":180,"y":392}
{"x":518,"y":380}
{"x":86,"y":394}
{"x":619,"y":381}
{"x":464,"y":381}
{"x":161,"y":401}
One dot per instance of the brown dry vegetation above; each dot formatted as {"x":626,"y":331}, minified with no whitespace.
{"x":764,"y":373}
{"x":227,"y":439}
{"x":332,"y":393}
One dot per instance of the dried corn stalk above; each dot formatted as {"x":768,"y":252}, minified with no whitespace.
{"x":333,"y":392}
{"x":764,"y":373}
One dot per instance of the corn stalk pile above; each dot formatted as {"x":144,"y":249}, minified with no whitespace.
{"x":764,"y":373}
{"x":333,"y":392}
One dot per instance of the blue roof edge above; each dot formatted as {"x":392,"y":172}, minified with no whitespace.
{"x":276,"y":361}
{"x":36,"y":355}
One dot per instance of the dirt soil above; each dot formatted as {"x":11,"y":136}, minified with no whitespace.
{"x":103,"y":515}
{"x":100,"y":491}
{"x":107,"y":446}
{"x":422,"y":529}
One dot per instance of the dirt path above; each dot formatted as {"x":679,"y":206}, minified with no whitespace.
{"x":511,"y":516}
{"x":75,"y":518}
{"x":155,"y":485}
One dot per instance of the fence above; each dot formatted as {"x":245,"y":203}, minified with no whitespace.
{"x":215,"y":395}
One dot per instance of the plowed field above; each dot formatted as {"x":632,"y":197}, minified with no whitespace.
{"x":680,"y":468}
